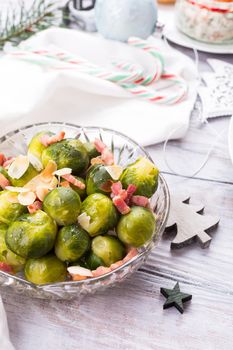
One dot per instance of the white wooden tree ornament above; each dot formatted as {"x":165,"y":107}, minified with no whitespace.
{"x":189,"y":222}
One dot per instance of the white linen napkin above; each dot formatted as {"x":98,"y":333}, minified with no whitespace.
{"x":5,"y":343}
{"x":31,"y":93}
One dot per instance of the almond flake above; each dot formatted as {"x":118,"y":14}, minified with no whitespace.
{"x":19,"y":166}
{"x":84,"y":221}
{"x":114,"y":171}
{"x":78,"y":270}
{"x":27,"y":198}
{"x":35,"y":162}
{"x":48,"y":171}
{"x":41,"y":192}
{"x":53,"y":183}
{"x":17,"y":189}
{"x":63,"y":171}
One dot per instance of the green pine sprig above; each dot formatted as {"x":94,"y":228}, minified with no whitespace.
{"x":19,"y":24}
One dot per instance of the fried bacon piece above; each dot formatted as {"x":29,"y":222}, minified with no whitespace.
{"x":4,"y":182}
{"x":47,"y":140}
{"x":2,"y":159}
{"x":140,"y":201}
{"x":32,"y":208}
{"x":8,"y":162}
{"x":106,"y":154}
{"x":6,"y":268}
{"x":122,"y":198}
{"x":101,"y":270}
{"x":71,"y":179}
{"x":121,"y":205}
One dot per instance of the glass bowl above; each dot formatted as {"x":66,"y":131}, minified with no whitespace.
{"x":209,"y":21}
{"x":125,"y":152}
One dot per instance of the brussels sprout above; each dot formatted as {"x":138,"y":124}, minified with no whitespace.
{"x":142,"y":174}
{"x":32,"y":235}
{"x":35,"y":147}
{"x":82,"y":193}
{"x":108,"y":248}
{"x":92,"y":261}
{"x":136,"y":227}
{"x":103,"y":214}
{"x":98,"y":180}
{"x":63,"y":205}
{"x":4,"y":173}
{"x":27,"y":176}
{"x":72,"y":243}
{"x":47,"y":269}
{"x":91,"y":150}
{"x":69,"y":153}
{"x":6,"y":255}
{"x":9,"y":211}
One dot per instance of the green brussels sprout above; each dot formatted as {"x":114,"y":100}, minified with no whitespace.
{"x":32,"y":235}
{"x":6,"y":255}
{"x":47,"y":269}
{"x":92,"y":261}
{"x":98,"y":180}
{"x":35,"y":146}
{"x":4,"y":173}
{"x":69,"y":153}
{"x":108,"y":248}
{"x":9,"y":211}
{"x":63,"y":205}
{"x":91,"y":150}
{"x":142,"y":174}
{"x":103,"y":214}
{"x":137,"y":227}
{"x":72,"y":243}
{"x":25,"y":178}
{"x":81,"y":193}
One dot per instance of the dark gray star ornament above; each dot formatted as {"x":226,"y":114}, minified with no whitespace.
{"x":175,"y":298}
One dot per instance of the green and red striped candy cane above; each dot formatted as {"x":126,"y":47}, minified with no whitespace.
{"x":161,"y":96}
{"x":60,"y":60}
{"x":130,"y":77}
{"x":158,"y":58}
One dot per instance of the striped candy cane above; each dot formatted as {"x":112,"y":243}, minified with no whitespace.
{"x":158,"y":58}
{"x":62,"y":61}
{"x":162,"y":96}
{"x":130,"y":77}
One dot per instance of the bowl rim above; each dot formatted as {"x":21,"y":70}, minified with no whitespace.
{"x":145,"y":250}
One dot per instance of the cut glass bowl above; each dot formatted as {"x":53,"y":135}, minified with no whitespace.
{"x":125,"y":152}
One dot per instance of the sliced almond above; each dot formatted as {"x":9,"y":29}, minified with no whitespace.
{"x":17,"y":189}
{"x":41,"y":192}
{"x":78,"y":270}
{"x":63,"y":171}
{"x":27,"y":198}
{"x":53,"y":183}
{"x":35,"y":162}
{"x":84,"y":221}
{"x":114,"y":171}
{"x":18,"y":167}
{"x":48,"y":171}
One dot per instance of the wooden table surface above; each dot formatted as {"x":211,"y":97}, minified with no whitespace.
{"x":130,"y":315}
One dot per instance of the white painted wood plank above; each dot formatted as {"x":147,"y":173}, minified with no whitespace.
{"x":186,"y":155}
{"x":130,"y":315}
